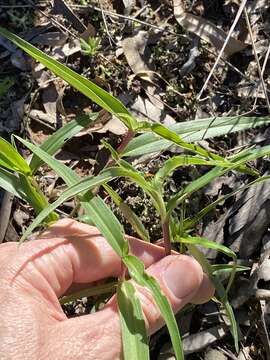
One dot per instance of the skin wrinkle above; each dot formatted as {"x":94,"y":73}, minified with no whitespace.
{"x":40,"y":292}
{"x":35,"y":251}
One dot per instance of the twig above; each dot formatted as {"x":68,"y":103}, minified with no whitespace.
{"x":257,"y":60}
{"x":51,"y":18}
{"x":111,"y":41}
{"x":240,"y":10}
{"x":131,"y":18}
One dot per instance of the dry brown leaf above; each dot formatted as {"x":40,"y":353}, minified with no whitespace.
{"x":135,"y":52}
{"x":49,"y":100}
{"x":138,"y":58}
{"x":206,"y":30}
{"x":61,"y":7}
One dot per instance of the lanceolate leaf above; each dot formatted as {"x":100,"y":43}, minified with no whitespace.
{"x":207,"y":244}
{"x":214,"y":173}
{"x":92,"y":291}
{"x":82,"y":186}
{"x":134,"y":337}
{"x":129,"y":215}
{"x":199,"y":256}
{"x":183,"y":160}
{"x":194,"y":130}
{"x":95,"y":208}
{"x":79,"y":82}
{"x":35,"y":197}
{"x":11,"y":159}
{"x":10,"y":182}
{"x":190,"y":222}
{"x":106,"y":222}
{"x":220,"y":269}
{"x":136,"y":271}
{"x":67,"y":174}
{"x":173,"y":137}
{"x":61,"y":136}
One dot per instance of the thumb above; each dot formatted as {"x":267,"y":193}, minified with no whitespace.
{"x":180,"y":278}
{"x":98,"y":336}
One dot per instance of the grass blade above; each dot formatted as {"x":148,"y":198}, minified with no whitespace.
{"x":194,"y":130}
{"x":11,"y":183}
{"x":82,"y":186}
{"x":128,"y":214}
{"x":207,"y":244}
{"x":190,"y":222}
{"x":95,"y":208}
{"x":79,"y":82}
{"x":107,"y":223}
{"x":61,"y":136}
{"x":67,"y":174}
{"x":173,"y":137}
{"x":134,"y":337}
{"x":183,"y":160}
{"x":136,"y":271}
{"x":199,"y":256}
{"x":221,"y":269}
{"x":11,"y":159}
{"x":35,"y":197}
{"x":92,"y":291}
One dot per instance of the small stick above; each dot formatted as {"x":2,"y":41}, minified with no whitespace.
{"x":257,"y":60}
{"x":240,"y":10}
{"x":111,"y":41}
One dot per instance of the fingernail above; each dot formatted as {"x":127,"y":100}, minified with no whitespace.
{"x":182,"y":276}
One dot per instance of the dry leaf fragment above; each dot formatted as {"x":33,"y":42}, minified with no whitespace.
{"x":60,"y":7}
{"x":206,"y":30}
{"x":138,"y":58}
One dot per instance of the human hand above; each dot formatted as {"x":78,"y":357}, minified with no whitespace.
{"x":33,"y":276}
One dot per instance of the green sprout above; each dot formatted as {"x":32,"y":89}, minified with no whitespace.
{"x":91,"y":46}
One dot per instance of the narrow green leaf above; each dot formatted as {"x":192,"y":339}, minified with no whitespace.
{"x":194,"y":186}
{"x":220,"y":269}
{"x":87,"y":183}
{"x":199,"y":256}
{"x":95,"y":208}
{"x":79,"y":82}
{"x":134,"y":336}
{"x":207,"y":244}
{"x":107,"y":223}
{"x":251,"y":154}
{"x":137,"y":272}
{"x":67,"y":174}
{"x":211,"y":175}
{"x":183,"y":160}
{"x":128,"y":214}
{"x":35,"y":197}
{"x":190,"y":222}
{"x":194,"y":130}
{"x":92,"y":291}
{"x":175,"y":138}
{"x":11,"y":159}
{"x":61,"y":136}
{"x":10,"y":182}
{"x":172,"y":136}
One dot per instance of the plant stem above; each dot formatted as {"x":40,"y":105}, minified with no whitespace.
{"x":166,"y":237}
{"x":127,"y":138}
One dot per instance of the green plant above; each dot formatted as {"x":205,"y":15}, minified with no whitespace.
{"x":17,"y":176}
{"x":90,"y":47}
